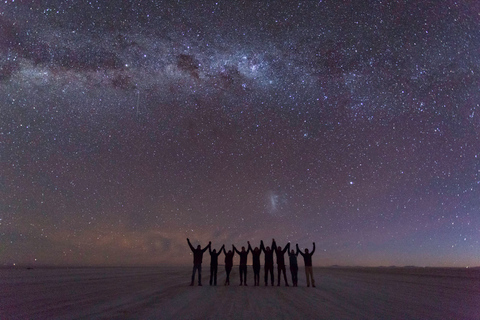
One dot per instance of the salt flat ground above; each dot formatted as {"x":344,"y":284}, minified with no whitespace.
{"x":163,"y":293}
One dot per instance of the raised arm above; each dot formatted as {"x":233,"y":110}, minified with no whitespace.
{"x":249,"y":246}
{"x":287,"y":248}
{"x":235,"y":249}
{"x":190,"y":245}
{"x":222,"y":248}
{"x":207,"y":247}
{"x":300,"y":251}
{"x":262,"y":247}
{"x":274,"y":245}
{"x":313,"y":249}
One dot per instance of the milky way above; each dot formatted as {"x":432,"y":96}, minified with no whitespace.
{"x":126,"y":128}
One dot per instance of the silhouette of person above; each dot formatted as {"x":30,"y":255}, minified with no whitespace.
{"x":307,"y":258}
{"x":294,"y":267}
{"x":214,"y":264}
{"x":197,"y":261}
{"x":280,"y":261}
{"x":243,"y":264}
{"x":256,"y":263}
{"x":228,"y":263}
{"x":268,"y":262}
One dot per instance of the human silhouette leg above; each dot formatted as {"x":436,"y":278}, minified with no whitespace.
{"x":211,"y":274}
{"x":294,"y":272}
{"x":285,"y":276}
{"x":215,"y":269}
{"x":279,"y":270}
{"x":200,"y":275}
{"x":240,"y":269}
{"x":309,"y":274}
{"x":227,"y":270}
{"x":193,"y":274}
{"x":245,"y":275}
{"x":265,"y":268}
{"x":256,"y":270}
{"x":310,"y":271}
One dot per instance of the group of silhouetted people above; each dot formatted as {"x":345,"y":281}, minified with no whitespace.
{"x":268,"y":266}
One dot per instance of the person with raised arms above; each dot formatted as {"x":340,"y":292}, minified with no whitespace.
{"x":268,"y":267}
{"x":307,"y":258}
{"x":197,"y":261}
{"x":293,"y":266}
{"x":243,"y":264}
{"x":281,"y":261}
{"x":256,"y":263}
{"x":228,"y":263}
{"x":214,"y":264}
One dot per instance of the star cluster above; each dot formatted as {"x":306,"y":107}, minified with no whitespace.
{"x":127,"y":127}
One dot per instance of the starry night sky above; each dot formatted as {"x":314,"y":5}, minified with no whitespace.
{"x":128,"y":126}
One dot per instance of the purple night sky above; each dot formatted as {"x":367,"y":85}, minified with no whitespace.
{"x":128,"y":126}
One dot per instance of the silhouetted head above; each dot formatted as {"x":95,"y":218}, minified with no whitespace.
{"x":306,"y":250}
{"x":292,"y":252}
{"x":214,"y":251}
{"x":243,"y":249}
{"x":198,"y":247}
{"x":279,"y":248}
{"x":267,"y":249}
{"x":256,"y":249}
{"x":229,"y":251}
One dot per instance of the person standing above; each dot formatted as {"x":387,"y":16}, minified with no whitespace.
{"x":228,"y":264}
{"x":197,"y":261}
{"x":294,"y":267}
{"x":243,"y":264}
{"x":214,"y":264}
{"x":307,"y":258}
{"x":281,"y":261}
{"x":268,"y":267}
{"x":256,"y":264}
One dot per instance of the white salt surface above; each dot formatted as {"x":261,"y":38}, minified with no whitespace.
{"x":163,"y":293}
